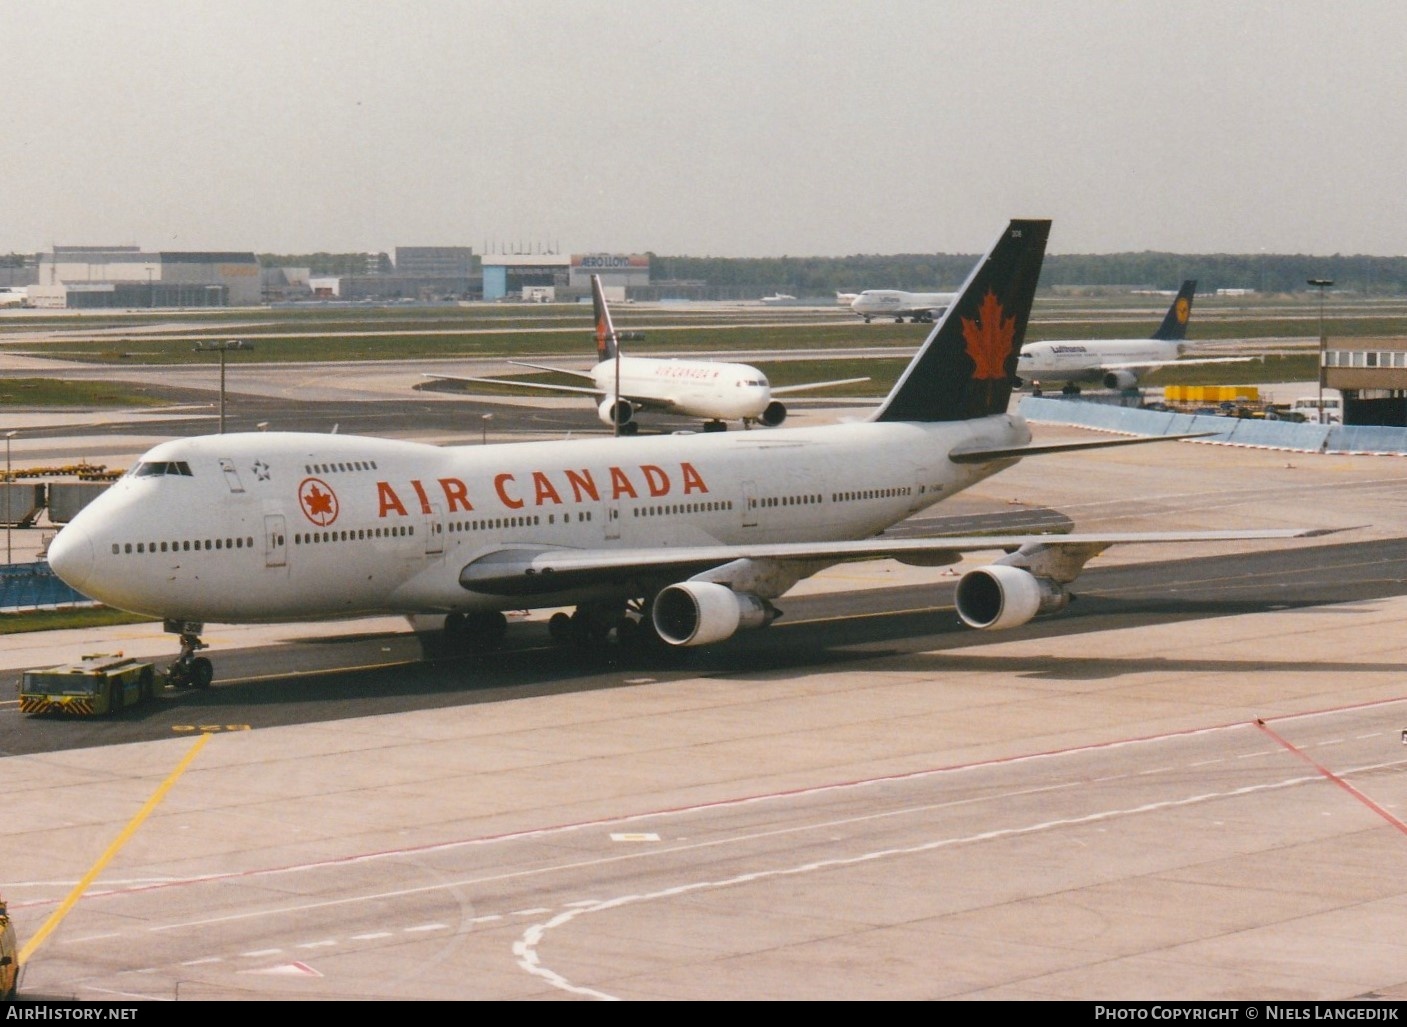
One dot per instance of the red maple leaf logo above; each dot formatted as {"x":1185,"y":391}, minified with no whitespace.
{"x":319,"y":504}
{"x":989,"y":338}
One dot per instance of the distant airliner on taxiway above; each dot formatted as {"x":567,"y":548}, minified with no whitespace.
{"x":623,"y":386}
{"x":1113,"y":363}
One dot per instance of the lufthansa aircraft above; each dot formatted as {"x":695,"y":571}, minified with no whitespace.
{"x":920,"y":307}
{"x":670,"y":540}
{"x":622,"y":385}
{"x":1113,"y":363}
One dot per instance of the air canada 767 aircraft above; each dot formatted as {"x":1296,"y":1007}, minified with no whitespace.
{"x":671,"y":540}
{"x":622,"y":386}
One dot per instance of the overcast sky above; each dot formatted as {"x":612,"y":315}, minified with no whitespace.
{"x":722,"y":128}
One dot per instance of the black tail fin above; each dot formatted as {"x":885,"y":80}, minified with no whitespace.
{"x":966,"y":367}
{"x":605,"y":331}
{"x":1174,"y":326}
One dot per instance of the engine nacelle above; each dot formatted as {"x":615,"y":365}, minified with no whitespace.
{"x":774,"y":415}
{"x":700,"y":612}
{"x":1120,"y":380}
{"x":615,"y":412}
{"x":1000,"y":596}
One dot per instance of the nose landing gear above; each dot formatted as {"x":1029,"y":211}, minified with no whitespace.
{"x":189,"y":670}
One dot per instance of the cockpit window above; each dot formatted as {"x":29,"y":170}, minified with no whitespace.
{"x":151,"y":468}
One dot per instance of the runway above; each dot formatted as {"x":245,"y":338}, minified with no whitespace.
{"x":1189,"y":785}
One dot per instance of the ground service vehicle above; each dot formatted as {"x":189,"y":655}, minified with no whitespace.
{"x":1310,"y":407}
{"x":97,"y":684}
{"x":9,"y":959}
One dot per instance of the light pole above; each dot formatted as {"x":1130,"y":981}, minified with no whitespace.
{"x":1322,"y":284}
{"x":221,"y":347}
{"x":484,"y":420}
{"x":9,"y":487}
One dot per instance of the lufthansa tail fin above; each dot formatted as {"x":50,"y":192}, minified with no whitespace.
{"x":1174,"y":326}
{"x":966,"y":367}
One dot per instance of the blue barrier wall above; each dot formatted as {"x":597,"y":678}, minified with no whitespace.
{"x":1366,"y":438}
{"x":1238,"y":431}
{"x":26,"y":586}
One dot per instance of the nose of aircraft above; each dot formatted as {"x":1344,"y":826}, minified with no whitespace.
{"x":71,"y":556}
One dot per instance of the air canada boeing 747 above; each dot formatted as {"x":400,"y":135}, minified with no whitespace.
{"x":667,"y":541}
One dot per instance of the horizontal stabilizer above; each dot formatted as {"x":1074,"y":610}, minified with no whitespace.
{"x":982,"y":456}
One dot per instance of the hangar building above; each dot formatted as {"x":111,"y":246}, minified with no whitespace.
{"x":124,"y":276}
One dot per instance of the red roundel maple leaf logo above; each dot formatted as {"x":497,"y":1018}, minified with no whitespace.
{"x":318,"y":501}
{"x":989,"y":338}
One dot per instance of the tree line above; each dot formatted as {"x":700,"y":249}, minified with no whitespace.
{"x":1258,"y":272}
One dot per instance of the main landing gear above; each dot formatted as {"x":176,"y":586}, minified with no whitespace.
{"x":590,"y":628}
{"x":189,"y":670}
{"x":478,"y":632}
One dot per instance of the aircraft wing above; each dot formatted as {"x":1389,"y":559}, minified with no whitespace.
{"x":816,"y":385}
{"x":536,"y":570}
{"x":518,"y":384}
{"x":656,"y":403}
{"x":558,"y":370}
{"x":1135,"y":365}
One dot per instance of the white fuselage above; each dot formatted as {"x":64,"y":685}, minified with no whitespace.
{"x":897,"y":303}
{"x":698,"y":388}
{"x":262,"y":527}
{"x":1089,"y":361}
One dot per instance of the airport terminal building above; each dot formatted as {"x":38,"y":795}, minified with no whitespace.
{"x":547,"y":277}
{"x":1371,"y":373}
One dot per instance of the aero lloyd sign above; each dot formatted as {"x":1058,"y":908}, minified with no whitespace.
{"x":610,"y":262}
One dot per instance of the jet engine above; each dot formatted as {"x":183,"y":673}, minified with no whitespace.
{"x":1120,"y":380}
{"x":700,"y":612}
{"x":773,"y":415}
{"x":1001,"y":596}
{"x":615,"y":412}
